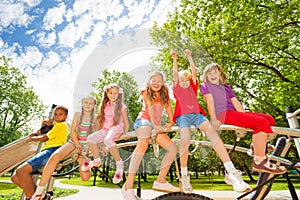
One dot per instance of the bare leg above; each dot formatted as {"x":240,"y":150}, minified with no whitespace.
{"x":215,"y":140}
{"x":259,"y":141}
{"x":115,"y":153}
{"x":57,"y":156}
{"x":94,"y":150}
{"x":164,"y":141}
{"x":143,"y":134}
{"x":85,"y":175}
{"x":23,"y":179}
{"x":185,"y":140}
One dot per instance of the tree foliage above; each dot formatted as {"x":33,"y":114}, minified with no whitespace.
{"x":20,"y":107}
{"x":256,"y":42}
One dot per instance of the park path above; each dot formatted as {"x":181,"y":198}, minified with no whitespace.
{"x":115,"y":194}
{"x":94,"y":192}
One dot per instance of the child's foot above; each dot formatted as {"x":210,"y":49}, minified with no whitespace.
{"x":268,"y":167}
{"x":234,"y":178}
{"x":89,"y":165}
{"x":186,"y":185}
{"x":119,"y":173}
{"x":38,"y":196}
{"x":128,"y":194}
{"x":164,"y":187}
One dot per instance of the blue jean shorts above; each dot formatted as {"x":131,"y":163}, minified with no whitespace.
{"x":39,"y":160}
{"x":188,"y":120}
{"x":141,"y":122}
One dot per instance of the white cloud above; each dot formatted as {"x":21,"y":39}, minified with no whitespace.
{"x":13,"y":14}
{"x":46,"y":39}
{"x":54,"y":16}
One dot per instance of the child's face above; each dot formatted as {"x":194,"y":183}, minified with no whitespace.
{"x":156,"y":83}
{"x":184,"y":82}
{"x":113,"y":94}
{"x":60,"y":115}
{"x":88,"y":104}
{"x":213,"y":76}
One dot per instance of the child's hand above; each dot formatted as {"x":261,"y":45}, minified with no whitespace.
{"x":216,"y":124}
{"x":167,"y":127}
{"x":78,"y":146}
{"x":32,"y":135}
{"x":174,"y":54}
{"x":47,"y":122}
{"x":157,"y":128}
{"x":187,"y":53}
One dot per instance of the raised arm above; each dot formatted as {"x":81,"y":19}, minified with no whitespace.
{"x":188,"y":54}
{"x":175,"y":67}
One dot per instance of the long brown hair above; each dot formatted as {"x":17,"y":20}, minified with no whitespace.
{"x":214,"y":66}
{"x":105,"y":99}
{"x":92,"y":117}
{"x":163,"y":92}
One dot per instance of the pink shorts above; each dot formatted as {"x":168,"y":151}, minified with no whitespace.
{"x":108,"y":136}
{"x":259,"y":122}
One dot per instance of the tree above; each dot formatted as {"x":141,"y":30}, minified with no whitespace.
{"x":256,"y":42}
{"x":20,"y":107}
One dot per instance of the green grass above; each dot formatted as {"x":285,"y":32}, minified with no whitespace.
{"x":202,"y":183}
{"x":10,"y":191}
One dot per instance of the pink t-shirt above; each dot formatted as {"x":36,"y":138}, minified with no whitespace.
{"x":109,"y":112}
{"x":186,"y":100}
{"x":158,"y":109}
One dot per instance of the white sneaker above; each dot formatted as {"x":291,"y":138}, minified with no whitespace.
{"x":119,"y":173}
{"x":164,"y":187}
{"x":128,"y":194}
{"x":234,"y":178}
{"x":186,"y":185}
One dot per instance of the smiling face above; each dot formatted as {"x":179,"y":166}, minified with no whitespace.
{"x":213,"y":76}
{"x":156,"y":82}
{"x":88,"y":104}
{"x":112,"y":94}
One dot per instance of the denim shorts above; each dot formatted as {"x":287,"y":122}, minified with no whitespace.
{"x":141,"y":122}
{"x":188,"y":120}
{"x":39,"y":160}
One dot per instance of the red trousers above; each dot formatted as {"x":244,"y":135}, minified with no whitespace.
{"x":259,"y":122}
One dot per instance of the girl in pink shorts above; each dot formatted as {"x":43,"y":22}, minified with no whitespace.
{"x":113,"y":121}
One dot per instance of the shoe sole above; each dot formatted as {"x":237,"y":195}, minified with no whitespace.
{"x":162,"y":190}
{"x":266,"y":171}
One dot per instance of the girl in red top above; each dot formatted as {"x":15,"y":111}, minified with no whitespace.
{"x":155,"y":99}
{"x":188,"y":112}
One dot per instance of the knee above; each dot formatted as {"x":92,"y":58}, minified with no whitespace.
{"x":109,"y":142}
{"x":185,"y":141}
{"x":55,"y":158}
{"x":13,"y":178}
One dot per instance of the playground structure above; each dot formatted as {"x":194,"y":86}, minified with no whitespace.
{"x":22,"y":149}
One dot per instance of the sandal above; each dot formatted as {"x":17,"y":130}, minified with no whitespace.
{"x":268,"y":167}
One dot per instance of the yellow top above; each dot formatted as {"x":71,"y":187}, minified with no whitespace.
{"x":57,"y":135}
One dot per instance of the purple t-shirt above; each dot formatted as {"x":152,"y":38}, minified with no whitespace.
{"x":221,"y":94}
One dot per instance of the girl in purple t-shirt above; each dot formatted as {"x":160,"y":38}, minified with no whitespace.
{"x":188,"y":112}
{"x":224,"y":107}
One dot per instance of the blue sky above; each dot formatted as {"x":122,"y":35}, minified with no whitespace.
{"x":51,"y":41}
